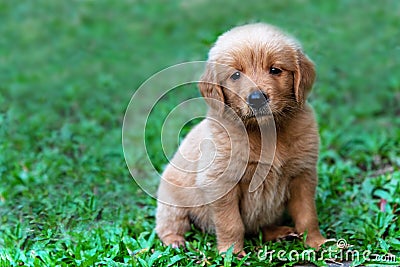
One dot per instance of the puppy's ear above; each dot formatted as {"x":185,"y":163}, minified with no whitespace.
{"x":304,"y":77}
{"x":211,"y":90}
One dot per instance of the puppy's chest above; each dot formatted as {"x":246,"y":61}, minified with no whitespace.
{"x":264,"y":205}
{"x":269,"y":168}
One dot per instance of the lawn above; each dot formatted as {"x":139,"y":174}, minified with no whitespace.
{"x":68,"y":70}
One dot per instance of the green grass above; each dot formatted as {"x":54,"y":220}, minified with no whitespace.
{"x":68,"y":70}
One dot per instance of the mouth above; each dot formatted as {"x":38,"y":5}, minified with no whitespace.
{"x":259,"y":112}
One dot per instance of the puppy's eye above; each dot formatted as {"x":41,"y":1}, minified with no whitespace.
{"x":275,"y":71}
{"x":236,"y":76}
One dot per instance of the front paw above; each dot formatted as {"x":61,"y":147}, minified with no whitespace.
{"x":174,"y":241}
{"x":315,"y":240}
{"x":237,"y":249}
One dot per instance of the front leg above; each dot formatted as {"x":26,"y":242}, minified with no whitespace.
{"x":228,"y":222}
{"x":301,"y":206}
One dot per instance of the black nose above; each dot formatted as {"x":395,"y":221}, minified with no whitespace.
{"x":257,"y":99}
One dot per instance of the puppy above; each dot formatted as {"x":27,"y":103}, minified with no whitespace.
{"x":255,"y":154}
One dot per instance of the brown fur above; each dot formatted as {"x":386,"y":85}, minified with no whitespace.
{"x":218,"y":162}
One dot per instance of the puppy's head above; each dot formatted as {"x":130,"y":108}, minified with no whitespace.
{"x":257,"y":69}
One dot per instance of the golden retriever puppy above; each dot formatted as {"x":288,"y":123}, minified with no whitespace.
{"x":255,"y":154}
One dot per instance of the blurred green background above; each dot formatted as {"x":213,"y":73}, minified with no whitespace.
{"x":69,"y":68}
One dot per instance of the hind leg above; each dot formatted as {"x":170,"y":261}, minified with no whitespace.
{"x":171,"y":224}
{"x":274,"y":232}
